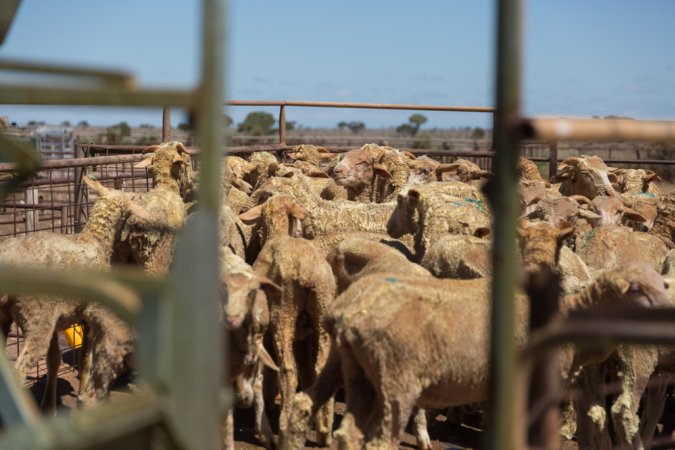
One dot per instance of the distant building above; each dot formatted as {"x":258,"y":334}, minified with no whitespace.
{"x":53,"y":142}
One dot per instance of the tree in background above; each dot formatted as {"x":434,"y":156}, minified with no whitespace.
{"x":65,"y":123}
{"x":228,"y":121}
{"x":478,"y":133}
{"x":342,"y":125}
{"x":116,"y":133}
{"x":83,"y":124}
{"x":356,"y":127}
{"x":413,"y":126}
{"x":257,"y":123}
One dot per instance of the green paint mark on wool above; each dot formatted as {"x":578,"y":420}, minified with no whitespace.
{"x":391,"y":280}
{"x":477,"y":203}
{"x":646,"y":194}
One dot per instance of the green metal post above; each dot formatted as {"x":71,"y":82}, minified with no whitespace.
{"x":504,"y":199}
{"x":196,"y":333}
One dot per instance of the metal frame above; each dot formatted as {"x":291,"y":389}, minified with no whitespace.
{"x":176,"y":410}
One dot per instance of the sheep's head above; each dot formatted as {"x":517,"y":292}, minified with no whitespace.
{"x":637,"y":283}
{"x":585,"y":175}
{"x":633,"y":180}
{"x":170,"y":164}
{"x":541,"y":242}
{"x":303,"y":167}
{"x":404,"y":218}
{"x":607,"y":210}
{"x":422,"y":170}
{"x":358,"y":167}
{"x":310,"y":153}
{"x":114,"y":202}
{"x":281,"y":215}
{"x":461,"y":170}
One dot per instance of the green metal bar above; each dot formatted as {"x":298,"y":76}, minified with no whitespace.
{"x":35,"y":95}
{"x":107,"y":77}
{"x":127,"y":423}
{"x":196,"y":334}
{"x":503,"y":195}
{"x":75,"y":286}
{"x":7,"y":11}
{"x":17,"y":407}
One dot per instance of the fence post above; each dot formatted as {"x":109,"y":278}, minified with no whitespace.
{"x":282,"y":125}
{"x":32,"y":215}
{"x":64,"y":219}
{"x":166,"y":124}
{"x":552,"y":159}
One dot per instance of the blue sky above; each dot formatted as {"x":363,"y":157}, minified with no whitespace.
{"x":581,"y":58}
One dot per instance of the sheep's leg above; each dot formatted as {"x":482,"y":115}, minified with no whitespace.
{"x":324,"y":415}
{"x":306,"y":404}
{"x":635,"y":367}
{"x":396,"y":413}
{"x":85,"y":360}
{"x":592,"y":432}
{"x":654,"y":406}
{"x":284,"y":334}
{"x":53,"y":363}
{"x":228,"y":430}
{"x":262,"y":425}
{"x":36,"y":340}
{"x":421,"y":431}
{"x":360,"y":396}
{"x":349,"y":436}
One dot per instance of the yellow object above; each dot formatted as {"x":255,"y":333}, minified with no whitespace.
{"x":74,"y":336}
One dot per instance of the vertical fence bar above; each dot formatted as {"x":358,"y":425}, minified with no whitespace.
{"x":31,"y":215}
{"x":552,"y":158}
{"x":282,"y":125}
{"x":503,"y":196}
{"x":166,"y":124}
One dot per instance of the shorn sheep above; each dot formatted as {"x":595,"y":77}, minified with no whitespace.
{"x":390,"y":361}
{"x":39,"y":317}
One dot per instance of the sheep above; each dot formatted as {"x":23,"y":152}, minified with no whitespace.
{"x":310,"y":153}
{"x":372,"y":173}
{"x":233,"y":233}
{"x":664,"y":224}
{"x":245,"y":315}
{"x":39,"y":317}
{"x":584,"y":175}
{"x":351,"y":260}
{"x":610,"y":244}
{"x":261,"y":166}
{"x":436,"y":365}
{"x":319,"y":181}
{"x":463,"y":170}
{"x":527,"y":170}
{"x":307,"y":288}
{"x":429,"y":217}
{"x":458,"y":256}
{"x":636,"y":180}
{"x":171,"y":171}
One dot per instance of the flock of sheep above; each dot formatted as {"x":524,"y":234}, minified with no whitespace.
{"x":368,"y":271}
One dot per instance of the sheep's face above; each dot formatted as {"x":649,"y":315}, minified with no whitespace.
{"x":586,"y":175}
{"x":422,"y":170}
{"x":462,"y":170}
{"x":640,"y":284}
{"x":611,"y":211}
{"x":541,"y":242}
{"x":404,"y":218}
{"x":357,"y":168}
{"x":634,"y":180}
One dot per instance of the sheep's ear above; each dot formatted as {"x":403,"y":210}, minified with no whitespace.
{"x":181,"y":148}
{"x":573,"y":161}
{"x":565,"y":229}
{"x":409,"y":155}
{"x":150,"y":148}
{"x":147,"y":162}
{"x":380,"y":170}
{"x":622,"y":285}
{"x":482,"y":174}
{"x":580,"y":199}
{"x":414,"y":196}
{"x":292,"y":155}
{"x":266,"y":284}
{"x":611,"y":176}
{"x":586,"y":214}
{"x":273,"y":168}
{"x":633,"y":215}
{"x":482,"y":232}
{"x":241,"y":185}
{"x":442,"y":168}
{"x":95,"y":186}
{"x":265,"y":357}
{"x":652,"y":176}
{"x":177,"y":159}
{"x":252,"y":215}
